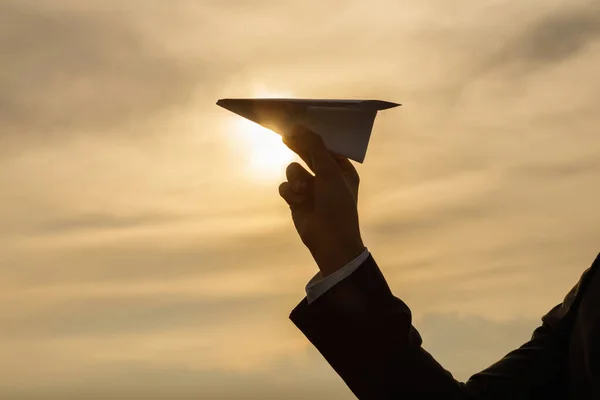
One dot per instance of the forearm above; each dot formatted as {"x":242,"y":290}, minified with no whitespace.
{"x":366,"y":334}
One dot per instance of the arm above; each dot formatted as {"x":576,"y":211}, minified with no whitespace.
{"x":366,"y":335}
{"x":358,"y":325}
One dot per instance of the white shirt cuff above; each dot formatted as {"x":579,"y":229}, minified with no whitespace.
{"x":318,"y":285}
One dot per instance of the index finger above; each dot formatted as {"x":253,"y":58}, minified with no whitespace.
{"x":310,"y":147}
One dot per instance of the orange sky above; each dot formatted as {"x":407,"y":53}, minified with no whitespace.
{"x":144,"y":251}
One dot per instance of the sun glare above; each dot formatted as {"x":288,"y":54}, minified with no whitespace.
{"x":267,"y":156}
{"x":264,"y":154}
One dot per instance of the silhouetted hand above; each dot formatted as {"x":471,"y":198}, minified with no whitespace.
{"x":324,"y":206}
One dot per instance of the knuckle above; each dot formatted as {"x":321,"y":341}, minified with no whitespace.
{"x":283,"y":187}
{"x":292,"y":168}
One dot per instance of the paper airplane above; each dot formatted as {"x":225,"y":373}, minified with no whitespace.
{"x":344,"y":125}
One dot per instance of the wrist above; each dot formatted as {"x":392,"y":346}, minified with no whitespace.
{"x":334,"y":257}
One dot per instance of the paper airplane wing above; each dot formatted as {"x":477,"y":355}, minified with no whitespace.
{"x":344,"y":125}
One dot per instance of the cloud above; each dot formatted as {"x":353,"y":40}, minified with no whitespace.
{"x":165,"y":365}
{"x":558,"y":36}
{"x":147,"y":269}
{"x":139,"y":381}
{"x":518,"y":48}
{"x":70,"y":70}
{"x":466,"y":345}
{"x":129,"y":259}
{"x":109,"y":314}
{"x":556,"y":170}
{"x":99,"y":221}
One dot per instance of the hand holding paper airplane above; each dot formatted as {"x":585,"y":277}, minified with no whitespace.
{"x":323,"y":206}
{"x":344,"y":125}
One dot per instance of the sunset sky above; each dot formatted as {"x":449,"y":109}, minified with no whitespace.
{"x":145,"y":252}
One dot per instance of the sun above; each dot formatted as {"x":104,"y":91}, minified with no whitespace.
{"x":262,"y":151}
{"x":266,"y":155}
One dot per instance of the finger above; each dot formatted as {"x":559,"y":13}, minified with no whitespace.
{"x":298,"y":177}
{"x":312,"y":150}
{"x":349,"y":174}
{"x":347,"y":168}
{"x":291,"y":197}
{"x":294,"y":145}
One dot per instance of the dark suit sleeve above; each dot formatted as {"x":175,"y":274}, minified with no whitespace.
{"x":366,"y":335}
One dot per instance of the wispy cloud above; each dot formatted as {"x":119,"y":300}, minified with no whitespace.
{"x":68,"y":71}
{"x":136,"y":260}
{"x":556,"y":37}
